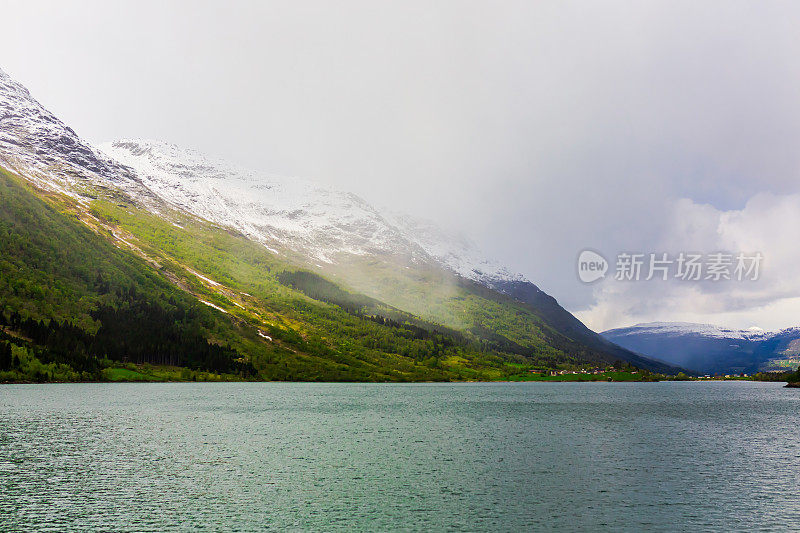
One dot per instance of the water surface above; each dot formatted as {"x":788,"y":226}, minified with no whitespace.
{"x":472,"y":457}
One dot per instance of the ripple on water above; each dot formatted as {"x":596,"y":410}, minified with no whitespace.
{"x":165,"y":457}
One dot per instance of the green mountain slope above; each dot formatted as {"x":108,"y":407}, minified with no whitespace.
{"x":77,"y":302}
{"x":70,"y":300}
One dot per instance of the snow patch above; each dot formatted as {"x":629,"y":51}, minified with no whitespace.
{"x":207,"y":280}
{"x":218,"y":308}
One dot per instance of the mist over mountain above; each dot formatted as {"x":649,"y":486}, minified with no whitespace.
{"x":305,"y":217}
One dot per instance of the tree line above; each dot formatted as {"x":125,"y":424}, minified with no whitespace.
{"x":137,"y":331}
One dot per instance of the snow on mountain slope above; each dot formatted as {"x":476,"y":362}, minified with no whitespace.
{"x":688,"y":328}
{"x":38,"y":146}
{"x":294,"y":213}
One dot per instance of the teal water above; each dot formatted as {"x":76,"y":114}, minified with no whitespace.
{"x":472,"y":457}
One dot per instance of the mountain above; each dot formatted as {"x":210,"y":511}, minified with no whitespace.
{"x":711,"y":349}
{"x":301,"y":281}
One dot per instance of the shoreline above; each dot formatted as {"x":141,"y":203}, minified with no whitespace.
{"x":601,"y":381}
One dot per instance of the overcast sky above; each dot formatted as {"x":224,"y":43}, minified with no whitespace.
{"x":537,"y":128}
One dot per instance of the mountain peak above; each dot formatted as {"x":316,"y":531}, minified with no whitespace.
{"x":37,"y":145}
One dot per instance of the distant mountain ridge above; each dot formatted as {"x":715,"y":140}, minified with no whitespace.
{"x":712,"y":349}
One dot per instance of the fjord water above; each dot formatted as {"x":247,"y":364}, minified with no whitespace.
{"x":250,"y":456}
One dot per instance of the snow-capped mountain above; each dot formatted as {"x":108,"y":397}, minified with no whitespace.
{"x":707,"y":348}
{"x":37,"y":145}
